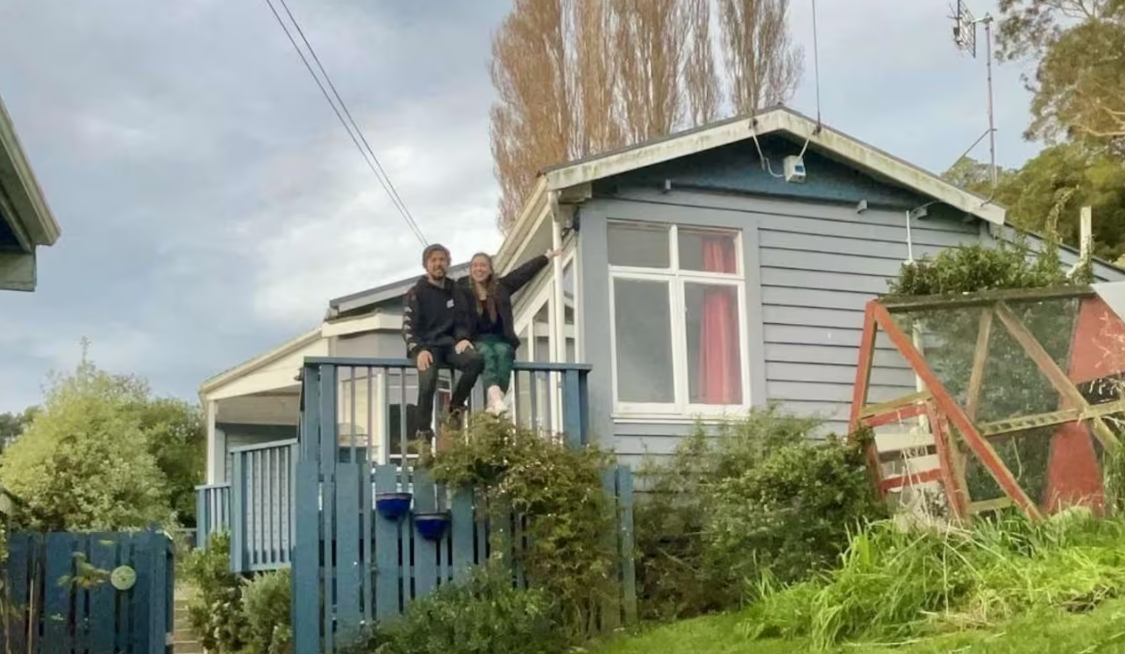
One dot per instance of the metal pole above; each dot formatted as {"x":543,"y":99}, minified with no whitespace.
{"x":991,"y":128}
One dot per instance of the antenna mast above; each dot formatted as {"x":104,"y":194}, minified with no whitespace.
{"x":965,"y":38}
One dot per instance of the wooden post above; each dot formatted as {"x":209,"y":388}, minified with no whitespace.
{"x":859,"y":392}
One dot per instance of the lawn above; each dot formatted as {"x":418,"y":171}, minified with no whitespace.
{"x":1101,"y":631}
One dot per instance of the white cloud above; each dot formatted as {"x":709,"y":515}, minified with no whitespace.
{"x":348,"y":236}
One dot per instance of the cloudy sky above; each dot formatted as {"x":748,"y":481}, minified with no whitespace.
{"x":211,"y":204}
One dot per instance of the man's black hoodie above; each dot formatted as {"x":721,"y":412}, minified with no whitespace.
{"x":432,"y":317}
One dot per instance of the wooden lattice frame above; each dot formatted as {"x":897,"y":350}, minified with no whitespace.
{"x":939,"y":406}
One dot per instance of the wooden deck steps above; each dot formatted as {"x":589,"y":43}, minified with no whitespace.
{"x":184,"y":640}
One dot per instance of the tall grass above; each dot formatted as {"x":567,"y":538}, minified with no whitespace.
{"x":893,"y":585}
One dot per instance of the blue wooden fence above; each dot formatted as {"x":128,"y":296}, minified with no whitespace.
{"x":366,"y":407}
{"x":51,"y":611}
{"x":352,"y":565}
{"x":261,"y":502}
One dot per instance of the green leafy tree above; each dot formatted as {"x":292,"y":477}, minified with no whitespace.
{"x":85,"y":463}
{"x":1079,"y":82}
{"x":12,"y":425}
{"x":1046,"y":195}
{"x":177,"y":440}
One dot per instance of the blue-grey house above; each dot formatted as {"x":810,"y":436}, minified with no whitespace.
{"x":728,"y":267}
{"x":703,"y":273}
{"x":26,"y":221}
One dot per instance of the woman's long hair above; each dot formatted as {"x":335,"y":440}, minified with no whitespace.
{"x":488,"y":287}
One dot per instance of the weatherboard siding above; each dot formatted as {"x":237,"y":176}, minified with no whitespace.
{"x":810,"y":269}
{"x":815,"y":283}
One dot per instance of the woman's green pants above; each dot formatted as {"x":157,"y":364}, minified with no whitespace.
{"x":498,"y":357}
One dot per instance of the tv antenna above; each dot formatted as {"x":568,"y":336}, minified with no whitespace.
{"x":965,"y":38}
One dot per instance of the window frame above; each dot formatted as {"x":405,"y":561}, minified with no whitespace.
{"x":544,"y":291}
{"x":676,"y":280}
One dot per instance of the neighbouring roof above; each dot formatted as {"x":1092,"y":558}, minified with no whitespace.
{"x":363,"y":300}
{"x":23,"y":207}
{"x":257,"y":362}
{"x":781,"y":119}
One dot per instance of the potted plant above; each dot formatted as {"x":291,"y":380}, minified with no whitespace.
{"x":432,"y":525}
{"x":393,"y":506}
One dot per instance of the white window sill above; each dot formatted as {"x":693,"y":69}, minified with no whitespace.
{"x":689,"y":417}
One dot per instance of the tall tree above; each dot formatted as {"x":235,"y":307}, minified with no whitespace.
{"x":577,"y":77}
{"x":532,"y":119}
{"x":763,"y":63}
{"x":1079,"y":82}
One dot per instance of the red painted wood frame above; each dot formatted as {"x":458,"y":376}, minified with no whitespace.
{"x":877,"y":316}
{"x":859,"y":392}
{"x":958,"y":497}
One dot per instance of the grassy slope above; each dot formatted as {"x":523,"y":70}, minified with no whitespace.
{"x":1100,"y":632}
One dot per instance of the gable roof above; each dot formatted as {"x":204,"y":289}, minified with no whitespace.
{"x":781,"y":119}
{"x":362,"y":300}
{"x":861,"y":155}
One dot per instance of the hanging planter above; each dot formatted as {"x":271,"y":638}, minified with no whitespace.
{"x":432,"y":526}
{"x":393,"y":506}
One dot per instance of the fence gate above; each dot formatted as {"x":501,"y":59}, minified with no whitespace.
{"x":88,"y":593}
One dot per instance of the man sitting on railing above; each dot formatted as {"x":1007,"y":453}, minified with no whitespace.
{"x":436,"y":335}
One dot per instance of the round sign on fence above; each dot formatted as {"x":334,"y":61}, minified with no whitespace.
{"x":123,"y":577}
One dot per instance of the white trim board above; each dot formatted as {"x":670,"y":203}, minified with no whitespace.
{"x":854,"y":151}
{"x":236,"y":381}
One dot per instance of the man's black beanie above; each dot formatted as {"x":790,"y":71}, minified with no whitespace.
{"x":430,"y":249}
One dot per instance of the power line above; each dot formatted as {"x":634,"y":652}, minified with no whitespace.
{"x":360,"y":142}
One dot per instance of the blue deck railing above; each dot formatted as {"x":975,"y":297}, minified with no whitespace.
{"x":364,"y":401}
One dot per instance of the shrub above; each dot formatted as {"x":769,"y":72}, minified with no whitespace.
{"x":216,"y":612}
{"x":556,"y":493}
{"x":266,"y":604}
{"x":483,"y":615}
{"x":755,"y":496}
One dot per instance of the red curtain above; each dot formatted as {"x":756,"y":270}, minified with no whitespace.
{"x":720,"y":378}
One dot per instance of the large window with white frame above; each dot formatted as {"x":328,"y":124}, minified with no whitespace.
{"x":678,"y":313}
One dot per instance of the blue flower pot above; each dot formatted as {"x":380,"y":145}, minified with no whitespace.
{"x":432,"y":526}
{"x":393,"y":506}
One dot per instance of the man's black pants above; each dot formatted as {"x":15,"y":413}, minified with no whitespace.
{"x":468,"y":363}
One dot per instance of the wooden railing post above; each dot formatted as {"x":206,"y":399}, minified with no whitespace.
{"x":238,"y":524}
{"x":572,"y":410}
{"x":203,"y":519}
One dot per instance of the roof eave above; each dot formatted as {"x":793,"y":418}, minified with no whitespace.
{"x":526,"y":220}
{"x":17,"y":177}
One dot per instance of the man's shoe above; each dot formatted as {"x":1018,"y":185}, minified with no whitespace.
{"x":455,"y":419}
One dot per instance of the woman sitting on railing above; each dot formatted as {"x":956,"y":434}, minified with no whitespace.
{"x":488,"y":299}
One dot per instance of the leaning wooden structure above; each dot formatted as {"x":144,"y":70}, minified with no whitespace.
{"x":1018,"y":400}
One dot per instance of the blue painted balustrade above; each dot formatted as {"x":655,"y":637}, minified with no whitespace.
{"x":368,"y":404}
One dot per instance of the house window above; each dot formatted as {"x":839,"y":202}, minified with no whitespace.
{"x":678,"y":319}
